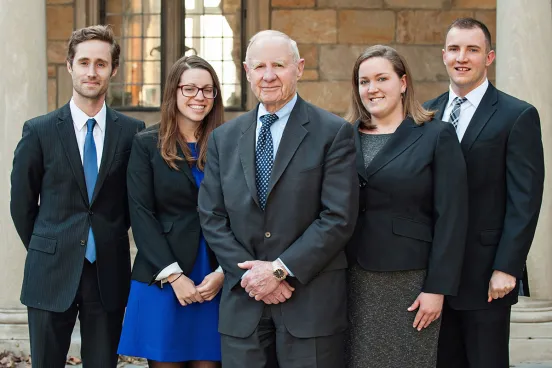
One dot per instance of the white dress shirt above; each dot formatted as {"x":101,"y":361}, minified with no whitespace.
{"x":79,"y":123}
{"x":467,"y":109}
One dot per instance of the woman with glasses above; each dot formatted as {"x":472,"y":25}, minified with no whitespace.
{"x":172,"y":312}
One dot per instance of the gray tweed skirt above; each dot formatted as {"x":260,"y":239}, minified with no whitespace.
{"x":380,"y":331}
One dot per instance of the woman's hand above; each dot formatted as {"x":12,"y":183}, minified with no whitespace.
{"x":430,"y":307}
{"x":184,"y":289}
{"x":211,"y":285}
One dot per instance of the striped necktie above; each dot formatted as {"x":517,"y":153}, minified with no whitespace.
{"x":455,"y":114}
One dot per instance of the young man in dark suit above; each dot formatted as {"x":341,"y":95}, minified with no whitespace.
{"x":279,"y":201}
{"x":501,"y":140}
{"x":69,"y":205}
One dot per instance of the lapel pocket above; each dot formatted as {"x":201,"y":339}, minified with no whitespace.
{"x":412,"y":229}
{"x":490,"y":237}
{"x":42,"y":244}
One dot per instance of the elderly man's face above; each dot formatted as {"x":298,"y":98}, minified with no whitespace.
{"x":272,"y":73}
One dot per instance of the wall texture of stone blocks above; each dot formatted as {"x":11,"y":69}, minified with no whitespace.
{"x":416,"y":28}
{"x":330,"y":35}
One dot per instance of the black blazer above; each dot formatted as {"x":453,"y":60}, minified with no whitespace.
{"x":52,"y":214}
{"x":310,"y":214}
{"x":163,"y":210}
{"x":413,"y":205}
{"x":504,"y":157}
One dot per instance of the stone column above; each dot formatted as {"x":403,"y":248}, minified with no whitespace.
{"x":22,"y":95}
{"x":524,"y":51}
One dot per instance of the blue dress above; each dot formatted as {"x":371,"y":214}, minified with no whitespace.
{"x":158,"y":328}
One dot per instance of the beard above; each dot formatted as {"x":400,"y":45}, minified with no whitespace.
{"x":92,"y":94}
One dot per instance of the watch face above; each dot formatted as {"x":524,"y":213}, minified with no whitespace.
{"x":279,"y":273}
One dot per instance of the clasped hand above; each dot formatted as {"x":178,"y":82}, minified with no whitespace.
{"x":260,"y":283}
{"x":187,"y":293}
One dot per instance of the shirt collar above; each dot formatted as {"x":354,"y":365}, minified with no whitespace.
{"x":80,"y":118}
{"x":283,"y":112}
{"x":474,"y":97}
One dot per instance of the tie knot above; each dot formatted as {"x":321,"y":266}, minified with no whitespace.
{"x":269,"y":119}
{"x":459,"y":101}
{"x":90,"y":124}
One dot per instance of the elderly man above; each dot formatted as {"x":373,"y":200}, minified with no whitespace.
{"x":277,"y":205}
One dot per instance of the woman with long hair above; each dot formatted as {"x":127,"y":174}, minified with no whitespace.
{"x":172,"y":312}
{"x":407,"y":249}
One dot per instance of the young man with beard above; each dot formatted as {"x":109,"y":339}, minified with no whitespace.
{"x":69,"y":205}
{"x":501,"y":140}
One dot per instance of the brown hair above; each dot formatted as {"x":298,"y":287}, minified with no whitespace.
{"x":470,"y":23}
{"x":169,"y":135}
{"x":411,"y":106}
{"x":98,"y":32}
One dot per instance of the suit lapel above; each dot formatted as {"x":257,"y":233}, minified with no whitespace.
{"x":359,"y":158}
{"x":112,"y":132}
{"x":406,"y":134}
{"x":293,"y":135}
{"x":246,"y":149}
{"x":66,"y":131}
{"x":184,"y":167}
{"x":440,"y":106}
{"x":487,"y":107}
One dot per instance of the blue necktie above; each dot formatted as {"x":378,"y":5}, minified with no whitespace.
{"x":90,"y":163}
{"x":264,"y":158}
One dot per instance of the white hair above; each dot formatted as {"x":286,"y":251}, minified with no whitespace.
{"x":270,"y":33}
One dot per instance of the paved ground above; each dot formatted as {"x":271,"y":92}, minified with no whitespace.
{"x":521,"y":365}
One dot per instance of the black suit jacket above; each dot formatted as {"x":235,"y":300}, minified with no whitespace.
{"x":310,"y":214}
{"x":504,"y":158}
{"x":413,"y":205}
{"x":52,"y":214}
{"x":163,"y":209}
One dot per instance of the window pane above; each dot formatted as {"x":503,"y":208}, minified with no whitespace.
{"x":152,"y":49}
{"x":116,"y":21}
{"x":133,"y":26}
{"x":132,"y":49}
{"x":133,"y":6}
{"x":152,"y":25}
{"x":152,"y":72}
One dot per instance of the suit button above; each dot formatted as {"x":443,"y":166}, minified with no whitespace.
{"x":90,"y":212}
{"x":268,"y":235}
{"x":362,"y":184}
{"x":363,"y":210}
{"x":83,"y":242}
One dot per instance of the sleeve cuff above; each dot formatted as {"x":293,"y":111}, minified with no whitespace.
{"x":169,"y":270}
{"x":287,"y":269}
{"x":219,"y":269}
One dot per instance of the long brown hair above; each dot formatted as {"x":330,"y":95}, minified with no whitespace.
{"x":411,"y":106}
{"x":169,"y":135}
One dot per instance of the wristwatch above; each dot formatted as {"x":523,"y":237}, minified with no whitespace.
{"x":278,"y":271}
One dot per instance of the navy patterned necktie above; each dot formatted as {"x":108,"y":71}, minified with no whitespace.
{"x":90,"y":164}
{"x":264,"y":158}
{"x":455,"y":114}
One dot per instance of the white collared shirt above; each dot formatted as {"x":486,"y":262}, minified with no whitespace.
{"x":467,"y":109}
{"x":277,"y":128}
{"x":79,"y":123}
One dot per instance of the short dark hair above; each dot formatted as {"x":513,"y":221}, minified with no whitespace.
{"x":98,"y":32}
{"x":470,"y":23}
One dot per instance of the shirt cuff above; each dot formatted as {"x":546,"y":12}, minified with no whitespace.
{"x":169,"y":270}
{"x":287,"y":269}
{"x":219,"y":269}
{"x":245,"y":273}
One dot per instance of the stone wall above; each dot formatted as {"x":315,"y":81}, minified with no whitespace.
{"x":60,"y":23}
{"x":332,"y":33}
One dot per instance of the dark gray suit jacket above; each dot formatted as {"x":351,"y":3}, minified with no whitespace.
{"x":52,"y":214}
{"x":505,"y":164}
{"x":310,"y":214}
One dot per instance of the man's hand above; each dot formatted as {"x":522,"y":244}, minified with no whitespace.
{"x":211,"y":285}
{"x":430,"y":307}
{"x":260,"y":280}
{"x":500,"y":285}
{"x":184,"y":289}
{"x":281,"y":294}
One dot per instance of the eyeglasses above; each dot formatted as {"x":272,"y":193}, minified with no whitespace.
{"x":189,"y":90}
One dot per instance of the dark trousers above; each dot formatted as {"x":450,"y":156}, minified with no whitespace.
{"x":474,"y":338}
{"x":272,"y":346}
{"x":50,"y":332}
